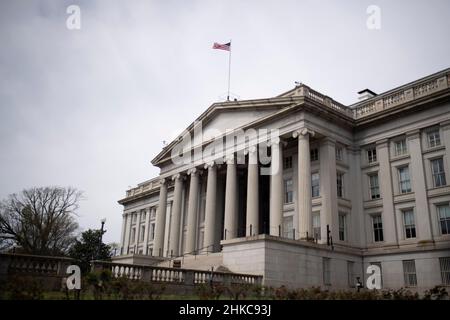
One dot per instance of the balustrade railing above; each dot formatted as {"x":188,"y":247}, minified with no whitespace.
{"x":174,"y":275}
{"x":33,"y":264}
{"x":438,"y":82}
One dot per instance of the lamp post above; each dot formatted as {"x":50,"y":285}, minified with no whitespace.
{"x":102,"y":231}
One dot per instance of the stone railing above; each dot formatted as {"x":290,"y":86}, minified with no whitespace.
{"x":306,"y":91}
{"x":174,"y":275}
{"x":32,"y":264}
{"x":419,"y":89}
{"x":144,"y":187}
{"x":50,"y":270}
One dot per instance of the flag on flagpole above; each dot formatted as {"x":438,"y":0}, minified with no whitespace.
{"x":226,"y":46}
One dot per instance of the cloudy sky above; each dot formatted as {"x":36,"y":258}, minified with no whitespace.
{"x":89,"y":108}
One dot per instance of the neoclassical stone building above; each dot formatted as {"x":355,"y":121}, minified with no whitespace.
{"x":345,"y":187}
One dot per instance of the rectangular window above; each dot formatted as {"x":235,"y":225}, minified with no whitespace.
{"x":133,"y":235}
{"x":288,"y":227}
{"x":287,"y":164}
{"x":372,"y":155}
{"x":315,"y":184}
{"x":314,"y":154}
{"x":351,"y":274}
{"x":444,"y":218}
{"x":409,"y":223}
{"x":134,"y":218}
{"x":437,"y":168}
{"x":326,"y":271}
{"x":400,"y":147}
{"x":339,"y":153}
{"x":445,"y":270}
{"x":288,"y":191}
{"x":409,"y":273}
{"x":405,"y":182}
{"x":143,"y":216}
{"x":342,"y":227}
{"x":316,"y":226}
{"x":377,"y":228}
{"x":340,"y":184}
{"x":142,"y":234}
{"x":434,"y":138}
{"x":152,"y":231}
{"x":374,"y":186}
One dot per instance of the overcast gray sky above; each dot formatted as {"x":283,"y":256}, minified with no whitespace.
{"x":90,"y":108}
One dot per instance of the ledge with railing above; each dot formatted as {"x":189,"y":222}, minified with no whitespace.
{"x":405,"y":94}
{"x":174,"y":275}
{"x":13,"y":263}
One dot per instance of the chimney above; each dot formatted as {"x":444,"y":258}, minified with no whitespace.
{"x":366,"y":94}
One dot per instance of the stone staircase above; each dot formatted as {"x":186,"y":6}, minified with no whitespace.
{"x":198,"y":262}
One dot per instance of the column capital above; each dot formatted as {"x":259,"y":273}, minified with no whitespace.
{"x":445,"y":125}
{"x":302,"y":133}
{"x":177,"y":177}
{"x":209,"y":164}
{"x":162,"y":181}
{"x":193,"y":171}
{"x":229,"y":159}
{"x":251,"y":149}
{"x":382,"y":143}
{"x":413,"y":134}
{"x":329,"y":140}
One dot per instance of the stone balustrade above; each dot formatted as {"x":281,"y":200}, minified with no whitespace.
{"x":173,"y":275}
{"x":33,"y":264}
{"x":51,"y":270}
{"x":405,"y":94}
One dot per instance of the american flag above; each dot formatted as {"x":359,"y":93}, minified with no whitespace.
{"x":226,"y":46}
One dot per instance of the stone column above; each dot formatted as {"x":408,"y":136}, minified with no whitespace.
{"x":122,"y":237}
{"x":328,"y":191}
{"x":210,"y":207}
{"x":276,"y":189}
{"x":304,"y":183}
{"x":252,"y":221}
{"x":358,"y":227}
{"x":158,"y":244}
{"x":176,"y":216}
{"x":419,"y":183}
{"x":385,"y":180}
{"x":147,"y":229}
{"x":231,"y":198}
{"x":138,"y":230}
{"x":192,"y":210}
{"x":445,"y":127}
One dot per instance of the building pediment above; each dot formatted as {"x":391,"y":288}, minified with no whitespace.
{"x":220,"y":117}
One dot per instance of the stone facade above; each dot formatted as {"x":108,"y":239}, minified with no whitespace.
{"x":348,"y":186}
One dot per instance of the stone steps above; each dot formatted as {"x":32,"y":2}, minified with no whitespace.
{"x":199,"y":262}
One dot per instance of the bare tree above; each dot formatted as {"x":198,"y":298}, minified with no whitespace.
{"x":40,"y":220}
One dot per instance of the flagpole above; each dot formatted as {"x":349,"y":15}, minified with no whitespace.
{"x":229,"y":73}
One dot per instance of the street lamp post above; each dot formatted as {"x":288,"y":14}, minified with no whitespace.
{"x":102,"y":231}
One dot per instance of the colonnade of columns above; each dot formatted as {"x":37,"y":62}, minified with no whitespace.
{"x":231,"y":214}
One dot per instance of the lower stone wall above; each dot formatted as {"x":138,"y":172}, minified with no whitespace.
{"x":298,"y":264}
{"x":428,"y":271}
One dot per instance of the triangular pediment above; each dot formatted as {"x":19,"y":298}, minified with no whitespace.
{"x":220,"y":117}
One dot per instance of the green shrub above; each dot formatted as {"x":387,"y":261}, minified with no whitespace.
{"x":436,"y":293}
{"x":24,"y":288}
